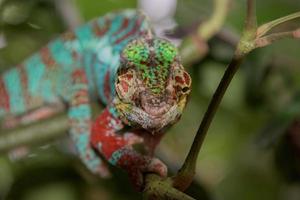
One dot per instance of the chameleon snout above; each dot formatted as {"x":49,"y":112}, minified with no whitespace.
{"x":155,"y":105}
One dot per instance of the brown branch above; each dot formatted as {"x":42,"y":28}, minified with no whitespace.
{"x":158,"y":188}
{"x":35,"y":133}
{"x":265,"y":28}
{"x":185,"y":175}
{"x":269,"y":39}
{"x":251,"y":21}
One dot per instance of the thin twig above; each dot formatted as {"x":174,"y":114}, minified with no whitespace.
{"x":265,"y":28}
{"x":251,"y":21}
{"x":269,"y":39}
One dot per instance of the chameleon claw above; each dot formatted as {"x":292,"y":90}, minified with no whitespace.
{"x":158,"y":167}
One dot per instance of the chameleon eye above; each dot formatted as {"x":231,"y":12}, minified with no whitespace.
{"x":126,"y":86}
{"x":182,"y":82}
{"x":136,"y":52}
{"x":165,"y":51}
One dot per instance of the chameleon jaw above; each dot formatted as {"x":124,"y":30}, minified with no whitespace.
{"x":135,"y":116}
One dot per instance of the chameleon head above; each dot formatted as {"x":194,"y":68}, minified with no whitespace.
{"x":151,"y":85}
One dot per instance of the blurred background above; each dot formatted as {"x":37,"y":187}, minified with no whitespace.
{"x":252,"y":150}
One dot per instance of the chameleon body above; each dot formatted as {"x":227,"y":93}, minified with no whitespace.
{"x":117,"y":59}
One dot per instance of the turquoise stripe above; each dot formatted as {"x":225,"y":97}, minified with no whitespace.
{"x":129,"y":27}
{"x":134,"y":35}
{"x":114,"y":112}
{"x":46,"y":90}
{"x":35,"y":70}
{"x":114,"y":24}
{"x":115,"y":157}
{"x":13,"y":85}
{"x":89,"y":72}
{"x":80,"y":112}
{"x":100,"y":70}
{"x":60,"y":54}
{"x":82,"y":142}
{"x":85,"y":35}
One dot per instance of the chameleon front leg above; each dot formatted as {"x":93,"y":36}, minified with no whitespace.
{"x":119,"y":149}
{"x":79,"y":115}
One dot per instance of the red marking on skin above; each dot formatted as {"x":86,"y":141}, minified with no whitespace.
{"x":129,"y":76}
{"x":79,"y":76}
{"x":82,"y":94}
{"x":143,"y":63}
{"x":187,"y":78}
{"x":107,"y":142}
{"x":102,"y":133}
{"x":136,"y":27}
{"x":79,"y":102}
{"x":4,"y":96}
{"x":46,"y":57}
{"x":124,"y":85}
{"x":100,"y":31}
{"x":80,"y":98}
{"x":179,"y":79}
{"x":107,"y":88}
{"x":24,"y":83}
{"x":39,"y":114}
{"x":123,"y":26}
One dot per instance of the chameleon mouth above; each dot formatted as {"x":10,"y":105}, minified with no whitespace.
{"x":152,"y":113}
{"x":152,"y":118}
{"x":156,"y":106}
{"x":149,"y":117}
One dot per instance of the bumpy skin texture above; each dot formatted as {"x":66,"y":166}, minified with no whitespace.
{"x":117,"y":59}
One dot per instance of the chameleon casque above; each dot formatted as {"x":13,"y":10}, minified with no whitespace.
{"x":117,"y":59}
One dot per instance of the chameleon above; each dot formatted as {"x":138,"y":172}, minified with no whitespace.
{"x":115,"y":59}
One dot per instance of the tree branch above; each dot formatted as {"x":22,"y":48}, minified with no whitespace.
{"x":251,"y":21}
{"x":265,"y":28}
{"x":158,"y":188}
{"x":185,"y":175}
{"x":35,"y":133}
{"x":269,"y":39}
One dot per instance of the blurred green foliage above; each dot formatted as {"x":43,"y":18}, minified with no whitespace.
{"x":235,"y":162}
{"x":97,"y":8}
